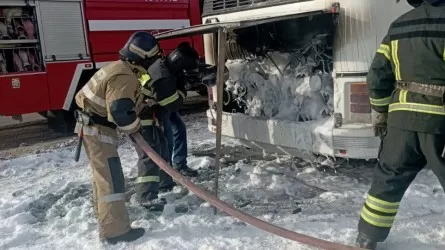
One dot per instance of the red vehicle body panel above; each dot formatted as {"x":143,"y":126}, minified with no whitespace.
{"x":108,"y":37}
{"x":23,"y":93}
{"x":109,"y":23}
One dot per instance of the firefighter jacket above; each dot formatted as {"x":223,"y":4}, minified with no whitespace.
{"x":159,"y":84}
{"x":413,"y":50}
{"x":113,"y":92}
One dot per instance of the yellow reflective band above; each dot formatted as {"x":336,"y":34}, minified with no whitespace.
{"x":417,"y":107}
{"x":144,"y":79}
{"x":169,"y":100}
{"x":385,"y":50}
{"x":382,"y":202}
{"x":146,"y":92}
{"x":402,"y":96}
{"x":148,"y":178}
{"x":381,"y":101}
{"x":147,"y":122}
{"x":381,"y":205}
{"x":375,"y":219}
{"x":181,"y":94}
{"x":395,"y":57}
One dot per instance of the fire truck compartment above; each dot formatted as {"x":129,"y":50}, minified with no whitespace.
{"x":19,"y":40}
{"x":63,"y":30}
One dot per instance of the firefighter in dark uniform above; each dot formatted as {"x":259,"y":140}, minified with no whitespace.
{"x":160,"y":88}
{"x":406,"y":83}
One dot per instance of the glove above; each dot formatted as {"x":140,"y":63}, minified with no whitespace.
{"x":379,"y":123}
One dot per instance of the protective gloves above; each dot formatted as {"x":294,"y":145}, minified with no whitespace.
{"x":379,"y":123}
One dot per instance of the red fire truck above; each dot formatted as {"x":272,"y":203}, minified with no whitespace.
{"x":50,"y":48}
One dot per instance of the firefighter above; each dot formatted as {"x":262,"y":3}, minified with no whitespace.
{"x":159,"y":87}
{"x":406,"y":83}
{"x":108,"y":101}
{"x":175,"y":130}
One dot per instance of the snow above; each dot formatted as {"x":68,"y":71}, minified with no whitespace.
{"x":45,"y":202}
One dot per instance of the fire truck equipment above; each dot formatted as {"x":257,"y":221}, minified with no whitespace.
{"x":29,"y":29}
{"x":24,"y":57}
{"x":4,"y":32}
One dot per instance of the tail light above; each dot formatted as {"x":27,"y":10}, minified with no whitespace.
{"x":359,"y":98}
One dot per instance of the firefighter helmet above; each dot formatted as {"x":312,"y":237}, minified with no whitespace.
{"x":183,"y":58}
{"x":414,"y":3}
{"x":142,"y":49}
{"x":435,"y":2}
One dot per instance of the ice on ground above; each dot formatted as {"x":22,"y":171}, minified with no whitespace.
{"x":295,"y":86}
{"x":45,"y":202}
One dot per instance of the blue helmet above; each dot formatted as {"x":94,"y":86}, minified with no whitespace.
{"x":142,"y":49}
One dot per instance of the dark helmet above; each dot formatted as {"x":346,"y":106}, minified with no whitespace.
{"x":435,"y":2}
{"x":142,"y":49}
{"x":414,"y":3}
{"x":183,"y":58}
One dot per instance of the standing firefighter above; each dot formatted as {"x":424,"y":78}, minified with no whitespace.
{"x":109,"y":101}
{"x":406,"y":86}
{"x":183,"y":63}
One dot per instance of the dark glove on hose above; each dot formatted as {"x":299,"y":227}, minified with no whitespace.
{"x":379,"y":123}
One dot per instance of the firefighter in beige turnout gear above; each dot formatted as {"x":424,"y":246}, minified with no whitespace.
{"x":111,"y":100}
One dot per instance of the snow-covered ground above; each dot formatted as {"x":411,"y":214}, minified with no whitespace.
{"x":45,"y":202}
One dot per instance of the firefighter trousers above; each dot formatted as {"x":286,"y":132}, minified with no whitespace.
{"x":108,"y":180}
{"x":147,"y":182}
{"x":402,"y":155}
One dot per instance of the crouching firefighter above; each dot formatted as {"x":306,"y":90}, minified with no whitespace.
{"x":406,"y":83}
{"x":108,"y":101}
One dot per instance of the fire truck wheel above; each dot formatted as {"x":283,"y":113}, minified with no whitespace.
{"x":44,"y":114}
{"x":61,"y":121}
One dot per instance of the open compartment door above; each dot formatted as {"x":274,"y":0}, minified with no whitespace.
{"x":215,"y":25}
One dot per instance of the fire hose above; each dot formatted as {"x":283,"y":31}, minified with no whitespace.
{"x":229,"y":209}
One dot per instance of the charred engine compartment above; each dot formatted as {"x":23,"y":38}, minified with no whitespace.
{"x":281,"y":70}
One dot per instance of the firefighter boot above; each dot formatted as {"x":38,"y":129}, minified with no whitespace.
{"x":132,"y":235}
{"x":365,"y":242}
{"x":186,"y":171}
{"x":154,"y":205}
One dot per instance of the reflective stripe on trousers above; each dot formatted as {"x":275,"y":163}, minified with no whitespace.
{"x":112,"y":197}
{"x":378,"y":212}
{"x":148,"y":178}
{"x":93,"y":131}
